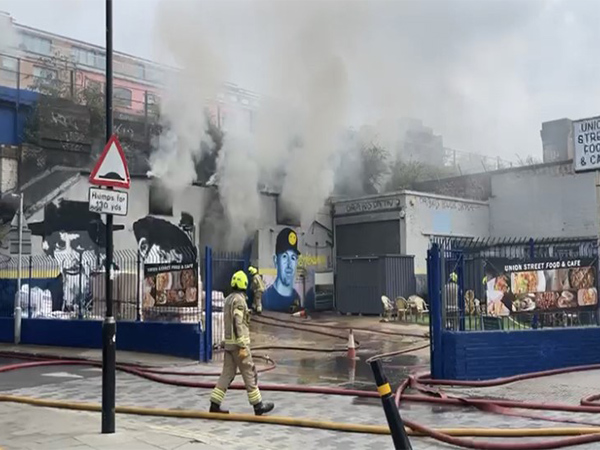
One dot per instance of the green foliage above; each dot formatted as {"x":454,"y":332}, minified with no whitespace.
{"x":405,"y":174}
{"x":59,"y":81}
{"x":374,"y":167}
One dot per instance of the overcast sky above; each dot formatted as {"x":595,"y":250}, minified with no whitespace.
{"x":483,"y":73}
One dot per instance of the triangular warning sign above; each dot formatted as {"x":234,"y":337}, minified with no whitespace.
{"x":111,"y":169}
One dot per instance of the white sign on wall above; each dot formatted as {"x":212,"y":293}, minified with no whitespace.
{"x":103,"y":201}
{"x":586,"y":144}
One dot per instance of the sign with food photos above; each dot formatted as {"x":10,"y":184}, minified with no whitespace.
{"x":541,"y":285}
{"x":174,"y":285}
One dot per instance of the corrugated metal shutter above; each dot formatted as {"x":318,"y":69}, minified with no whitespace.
{"x":369,"y":238}
{"x":362,"y":281}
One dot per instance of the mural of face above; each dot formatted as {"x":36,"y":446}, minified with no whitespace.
{"x":74,"y":237}
{"x":286,"y":264}
{"x":160,"y":241}
{"x":75,"y":254}
{"x":281,"y":294}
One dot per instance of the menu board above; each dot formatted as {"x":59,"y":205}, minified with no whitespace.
{"x":542,"y":285}
{"x":170,"y":285}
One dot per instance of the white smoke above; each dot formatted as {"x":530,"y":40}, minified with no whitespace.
{"x":481,"y":74}
{"x":190,"y":89}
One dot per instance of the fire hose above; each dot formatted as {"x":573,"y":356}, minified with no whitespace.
{"x":451,"y":436}
{"x":579,"y":435}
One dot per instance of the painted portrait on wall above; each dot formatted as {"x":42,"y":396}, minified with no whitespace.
{"x":75,"y":238}
{"x":282,"y":295}
{"x":161,"y":243}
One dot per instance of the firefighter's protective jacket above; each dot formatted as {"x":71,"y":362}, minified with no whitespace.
{"x":258,"y":285}
{"x":236,"y":319}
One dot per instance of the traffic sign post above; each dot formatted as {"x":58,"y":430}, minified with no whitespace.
{"x":103,"y":201}
{"x":110,"y":171}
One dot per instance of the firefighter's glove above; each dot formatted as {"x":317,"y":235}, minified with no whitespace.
{"x":243,"y":353}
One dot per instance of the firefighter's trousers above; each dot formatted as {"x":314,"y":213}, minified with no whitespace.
{"x":258,"y":301}
{"x":231,"y":363}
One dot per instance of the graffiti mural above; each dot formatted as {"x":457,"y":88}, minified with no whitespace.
{"x":282,"y":295}
{"x":75,"y":238}
{"x":169,"y":261}
{"x":297,"y":257}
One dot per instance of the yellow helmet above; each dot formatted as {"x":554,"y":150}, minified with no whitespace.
{"x":453,"y":277}
{"x":239,"y":280}
{"x":252,"y":270}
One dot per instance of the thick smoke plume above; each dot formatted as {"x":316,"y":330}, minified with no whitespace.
{"x":464,"y":67}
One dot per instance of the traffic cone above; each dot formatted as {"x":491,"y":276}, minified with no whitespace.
{"x":351,"y":345}
{"x":352,"y":370}
{"x":300,"y":314}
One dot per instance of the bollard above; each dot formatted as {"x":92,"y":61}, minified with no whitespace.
{"x":392,"y":414}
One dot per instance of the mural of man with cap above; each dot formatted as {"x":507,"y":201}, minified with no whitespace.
{"x":281,"y":295}
{"x":75,"y":238}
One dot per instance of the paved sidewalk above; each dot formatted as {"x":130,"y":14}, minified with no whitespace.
{"x":124,"y":357}
{"x":33,"y":428}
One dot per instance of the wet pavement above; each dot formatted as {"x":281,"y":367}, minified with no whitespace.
{"x":79,"y":384}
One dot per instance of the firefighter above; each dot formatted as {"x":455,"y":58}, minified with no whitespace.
{"x":237,"y":350}
{"x":451,"y":299}
{"x":258,"y":287}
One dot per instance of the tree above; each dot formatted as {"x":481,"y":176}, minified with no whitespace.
{"x":374,"y":160}
{"x":405,"y":174}
{"x":206,"y":164}
{"x":57,"y":80}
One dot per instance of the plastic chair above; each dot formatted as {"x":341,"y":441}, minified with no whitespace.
{"x":387,"y":308}
{"x":401,"y":308}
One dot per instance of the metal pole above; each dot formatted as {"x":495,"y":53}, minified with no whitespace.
{"x":392,"y":414}
{"x":109,"y":327}
{"x":18,"y":311}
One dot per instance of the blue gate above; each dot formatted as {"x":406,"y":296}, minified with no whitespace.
{"x":473,"y":337}
{"x":218,"y":269}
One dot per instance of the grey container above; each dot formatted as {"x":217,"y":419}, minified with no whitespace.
{"x":361,"y":281}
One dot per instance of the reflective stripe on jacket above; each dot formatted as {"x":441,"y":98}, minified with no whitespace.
{"x":235,"y":319}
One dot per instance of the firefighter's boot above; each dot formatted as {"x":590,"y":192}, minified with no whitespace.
{"x":214,"y":408}
{"x":263,"y":408}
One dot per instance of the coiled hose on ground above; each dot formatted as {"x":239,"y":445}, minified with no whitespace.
{"x":450,"y":436}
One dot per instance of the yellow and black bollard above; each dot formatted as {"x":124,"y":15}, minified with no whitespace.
{"x":392,"y":414}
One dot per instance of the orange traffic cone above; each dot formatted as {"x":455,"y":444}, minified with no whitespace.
{"x":351,"y":345}
{"x":300,"y":314}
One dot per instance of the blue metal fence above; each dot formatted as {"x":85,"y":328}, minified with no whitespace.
{"x":560,"y":291}
{"x":218,"y":269}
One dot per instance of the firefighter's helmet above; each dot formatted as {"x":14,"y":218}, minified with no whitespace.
{"x":453,"y":277}
{"x":239,"y":281}
{"x":252,"y":270}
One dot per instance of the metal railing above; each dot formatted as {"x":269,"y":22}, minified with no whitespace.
{"x":58,"y":77}
{"x":518,"y":284}
{"x":70,"y":284}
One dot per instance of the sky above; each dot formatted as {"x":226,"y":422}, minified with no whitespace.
{"x":483,"y":73}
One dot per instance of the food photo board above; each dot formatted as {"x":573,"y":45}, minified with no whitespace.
{"x":174,"y":285}
{"x":541,"y":285}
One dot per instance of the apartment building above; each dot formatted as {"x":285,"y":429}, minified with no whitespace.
{"x":36,"y":57}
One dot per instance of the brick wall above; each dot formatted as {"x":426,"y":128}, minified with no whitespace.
{"x":485,"y":355}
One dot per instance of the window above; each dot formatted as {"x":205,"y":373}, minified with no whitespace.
{"x":139,"y":71}
{"x":122,"y":97}
{"x":161,"y":200}
{"x":153,"y":99}
{"x":44,"y":75}
{"x":94,"y":85}
{"x":152,"y":74}
{"x":37,"y":44}
{"x":8,"y":68}
{"x":87,"y":57}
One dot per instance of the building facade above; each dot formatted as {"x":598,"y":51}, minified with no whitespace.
{"x":37,"y":58}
